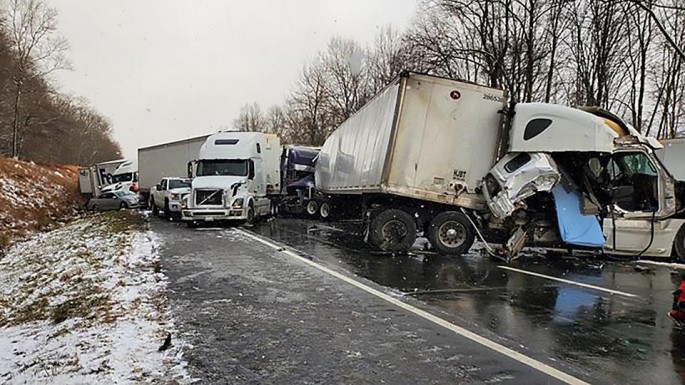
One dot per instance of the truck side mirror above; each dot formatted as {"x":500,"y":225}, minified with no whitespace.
{"x":158,"y":186}
{"x":190,"y":169}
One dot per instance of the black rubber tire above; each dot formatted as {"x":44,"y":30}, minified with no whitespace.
{"x":96,"y":208}
{"x":392,"y":230}
{"x":251,"y":219}
{"x":123,"y":206}
{"x":191,"y":224}
{"x":679,"y":245}
{"x":155,"y":209}
{"x":167,"y":211}
{"x":325,"y":210}
{"x":311,"y":208}
{"x":442,"y":239}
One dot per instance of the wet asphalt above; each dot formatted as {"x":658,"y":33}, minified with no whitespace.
{"x":252,"y":315}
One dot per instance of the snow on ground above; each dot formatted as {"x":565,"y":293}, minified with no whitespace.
{"x":86,"y":304}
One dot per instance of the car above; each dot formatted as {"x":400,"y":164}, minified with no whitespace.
{"x":114,"y":200}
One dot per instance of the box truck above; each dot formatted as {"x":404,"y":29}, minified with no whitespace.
{"x":125,"y":177}
{"x":93,"y":179}
{"x":454,"y":160}
{"x":236,"y":178}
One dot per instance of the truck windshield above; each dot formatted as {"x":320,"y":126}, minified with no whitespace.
{"x":233,"y":167}
{"x":176,"y":183}
{"x":125,"y":177}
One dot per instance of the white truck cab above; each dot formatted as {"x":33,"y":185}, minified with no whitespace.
{"x":236,"y":178}
{"x":610,"y":189}
{"x":125,"y":177}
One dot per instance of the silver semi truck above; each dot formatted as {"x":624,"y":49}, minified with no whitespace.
{"x":454,"y":161}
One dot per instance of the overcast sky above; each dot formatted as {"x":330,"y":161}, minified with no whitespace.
{"x":163,"y":70}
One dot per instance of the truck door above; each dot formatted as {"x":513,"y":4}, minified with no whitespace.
{"x":641,"y":193}
{"x":258,"y":184}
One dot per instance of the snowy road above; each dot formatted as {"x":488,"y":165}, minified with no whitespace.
{"x":256,"y":315}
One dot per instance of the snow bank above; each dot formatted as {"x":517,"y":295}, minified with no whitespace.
{"x":86,"y":304}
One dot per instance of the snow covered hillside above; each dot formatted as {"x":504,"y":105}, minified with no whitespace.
{"x":87,"y":304}
{"x":34,"y":197}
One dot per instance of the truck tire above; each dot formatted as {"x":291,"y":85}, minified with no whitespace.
{"x":450,"y":233}
{"x":679,"y":245}
{"x":251,"y":219}
{"x":325,"y":210}
{"x":167,"y":210}
{"x":392,"y":230}
{"x":155,"y":209}
{"x":311,"y":208}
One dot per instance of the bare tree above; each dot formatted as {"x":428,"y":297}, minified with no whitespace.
{"x":38,"y":50}
{"x":250,"y":119}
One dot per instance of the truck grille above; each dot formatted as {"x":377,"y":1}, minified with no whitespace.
{"x":208,"y":197}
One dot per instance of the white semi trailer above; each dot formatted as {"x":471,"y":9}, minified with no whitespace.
{"x":454,"y":161}
{"x":166,"y":160}
{"x":236,"y":178}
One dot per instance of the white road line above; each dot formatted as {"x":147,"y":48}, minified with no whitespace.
{"x":533,"y":363}
{"x":585,"y":285}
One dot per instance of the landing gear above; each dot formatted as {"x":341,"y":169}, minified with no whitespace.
{"x":392,"y":230}
{"x":451,"y":233}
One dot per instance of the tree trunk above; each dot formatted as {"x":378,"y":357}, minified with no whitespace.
{"x":15,"y":121}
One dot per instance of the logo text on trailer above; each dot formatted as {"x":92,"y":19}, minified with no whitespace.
{"x":455,"y":95}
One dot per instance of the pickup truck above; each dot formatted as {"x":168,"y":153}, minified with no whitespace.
{"x":167,"y":196}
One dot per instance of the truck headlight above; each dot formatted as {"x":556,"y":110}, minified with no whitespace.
{"x":174,"y":197}
{"x":238,"y":203}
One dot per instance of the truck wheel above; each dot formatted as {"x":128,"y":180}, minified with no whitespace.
{"x":679,"y":245}
{"x":167,"y":210}
{"x":325,"y":210}
{"x":273,"y":210}
{"x":451,"y":233}
{"x":312,"y":208}
{"x":392,"y":230}
{"x":250,"y":214}
{"x":155,"y":209}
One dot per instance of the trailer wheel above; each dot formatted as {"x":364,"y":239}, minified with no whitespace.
{"x":392,"y":230}
{"x":325,"y":210}
{"x":155,"y":209}
{"x":311,"y":208}
{"x":451,"y":233}
{"x":273,"y":210}
{"x":679,"y":245}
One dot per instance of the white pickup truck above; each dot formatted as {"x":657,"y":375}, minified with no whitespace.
{"x":167,"y":196}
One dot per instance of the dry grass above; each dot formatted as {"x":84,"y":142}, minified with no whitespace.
{"x":35,"y":197}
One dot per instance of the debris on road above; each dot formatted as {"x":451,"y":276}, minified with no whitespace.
{"x":87,"y":304}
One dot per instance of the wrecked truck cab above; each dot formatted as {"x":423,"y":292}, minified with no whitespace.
{"x":516,"y":177}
